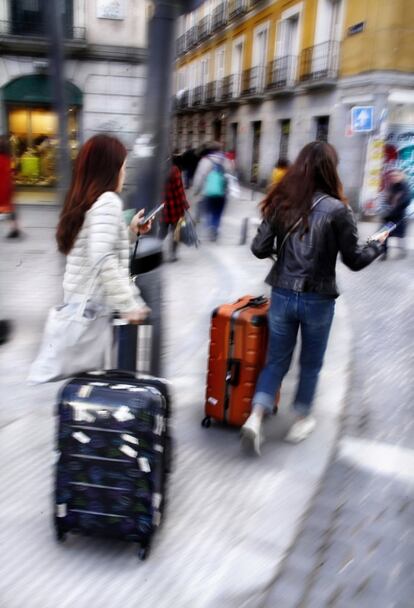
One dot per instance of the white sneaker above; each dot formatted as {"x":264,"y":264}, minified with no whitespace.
{"x":251,"y":434}
{"x":301,"y":429}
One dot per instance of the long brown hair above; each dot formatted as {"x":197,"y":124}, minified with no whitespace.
{"x":314,"y":170}
{"x":96,"y":171}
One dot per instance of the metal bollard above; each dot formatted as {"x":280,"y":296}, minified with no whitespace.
{"x":244,"y":231}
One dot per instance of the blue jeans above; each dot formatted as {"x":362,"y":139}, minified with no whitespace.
{"x":289,"y":310}
{"x":215,"y":207}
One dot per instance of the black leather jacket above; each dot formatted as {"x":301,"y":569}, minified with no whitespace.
{"x":306,"y":262}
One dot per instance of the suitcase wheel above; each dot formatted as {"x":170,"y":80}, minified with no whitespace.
{"x":206,"y":422}
{"x":143,"y":553}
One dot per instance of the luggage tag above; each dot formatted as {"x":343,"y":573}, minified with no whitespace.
{"x":123,"y":414}
{"x":159,"y":424}
{"x":128,"y":451}
{"x":130,"y":439}
{"x":122,"y":387}
{"x":81,"y":437}
{"x":81,"y":414}
{"x":156,"y":500}
{"x":144,"y":465}
{"x":156,"y":518}
{"x":85,"y":391}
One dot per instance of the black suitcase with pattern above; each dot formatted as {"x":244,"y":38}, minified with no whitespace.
{"x":113,"y":456}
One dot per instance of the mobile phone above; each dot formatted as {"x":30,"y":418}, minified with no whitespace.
{"x":389,"y":227}
{"x":151,"y":214}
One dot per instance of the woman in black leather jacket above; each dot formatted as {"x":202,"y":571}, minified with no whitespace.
{"x":306,"y":223}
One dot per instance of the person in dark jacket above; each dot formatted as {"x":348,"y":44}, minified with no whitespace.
{"x":308,"y":218}
{"x":189,"y":166}
{"x":398,"y":198}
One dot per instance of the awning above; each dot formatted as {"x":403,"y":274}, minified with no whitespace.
{"x":36,"y":89}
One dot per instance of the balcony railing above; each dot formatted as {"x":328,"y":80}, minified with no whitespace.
{"x":182,"y":100}
{"x":211,"y":91}
{"x":38,"y":29}
{"x":253,"y":80}
{"x":320,"y":62}
{"x":230,"y":87}
{"x":237,"y":8}
{"x":282,"y":72}
{"x":191,"y":37}
{"x":204,"y":28}
{"x":219,"y":17}
{"x":181,"y":45}
{"x":199,"y":95}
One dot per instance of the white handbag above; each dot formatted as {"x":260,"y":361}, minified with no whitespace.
{"x":76,"y":338}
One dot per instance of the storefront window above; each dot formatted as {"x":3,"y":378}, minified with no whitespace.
{"x":33,"y":143}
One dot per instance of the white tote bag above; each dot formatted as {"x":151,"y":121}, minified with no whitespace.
{"x":76,"y":338}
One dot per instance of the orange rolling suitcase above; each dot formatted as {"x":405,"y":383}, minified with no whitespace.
{"x":238,"y":344}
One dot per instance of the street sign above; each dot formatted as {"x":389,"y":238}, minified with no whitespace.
{"x":362,"y":119}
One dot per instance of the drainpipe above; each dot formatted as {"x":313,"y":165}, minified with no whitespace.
{"x":54,"y":25}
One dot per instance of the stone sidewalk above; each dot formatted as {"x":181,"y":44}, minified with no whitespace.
{"x":230,"y":520}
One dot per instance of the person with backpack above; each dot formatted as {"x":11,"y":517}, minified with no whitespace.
{"x":309,"y":219}
{"x":210,"y":180}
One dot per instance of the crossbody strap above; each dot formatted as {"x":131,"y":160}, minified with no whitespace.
{"x":296,"y":224}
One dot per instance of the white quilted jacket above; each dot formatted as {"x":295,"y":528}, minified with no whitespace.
{"x":103,"y":232}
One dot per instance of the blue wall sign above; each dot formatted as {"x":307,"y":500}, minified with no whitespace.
{"x":362,"y":119}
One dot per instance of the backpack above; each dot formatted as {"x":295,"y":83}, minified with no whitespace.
{"x":216,"y":182}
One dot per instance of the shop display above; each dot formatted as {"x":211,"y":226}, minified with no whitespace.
{"x":34,"y":145}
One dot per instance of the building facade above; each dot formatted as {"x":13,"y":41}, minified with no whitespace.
{"x":105,"y":49}
{"x":267,"y":76}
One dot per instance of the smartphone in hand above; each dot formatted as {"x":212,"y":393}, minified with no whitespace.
{"x":150,"y":216}
{"x":389,"y":227}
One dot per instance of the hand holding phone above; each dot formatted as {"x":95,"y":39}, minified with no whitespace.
{"x":383,"y":233}
{"x":151,"y":215}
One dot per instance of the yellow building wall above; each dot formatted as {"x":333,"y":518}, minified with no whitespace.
{"x":387,"y":42}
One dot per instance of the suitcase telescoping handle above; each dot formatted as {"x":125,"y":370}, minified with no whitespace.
{"x":233,"y":374}
{"x":118,"y":321}
{"x":259,"y":301}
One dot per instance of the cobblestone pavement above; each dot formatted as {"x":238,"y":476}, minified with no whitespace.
{"x":356,"y":546}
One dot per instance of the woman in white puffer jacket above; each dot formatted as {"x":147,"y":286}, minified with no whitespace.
{"x":92,"y":232}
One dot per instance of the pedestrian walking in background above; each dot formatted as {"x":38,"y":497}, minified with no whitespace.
{"x":210,"y":180}
{"x":279,"y":171}
{"x":397,"y":199}
{"x":231,"y":157}
{"x":175,"y":206}
{"x":188,"y":166}
{"x":308,"y":216}
{"x":6,"y":189}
